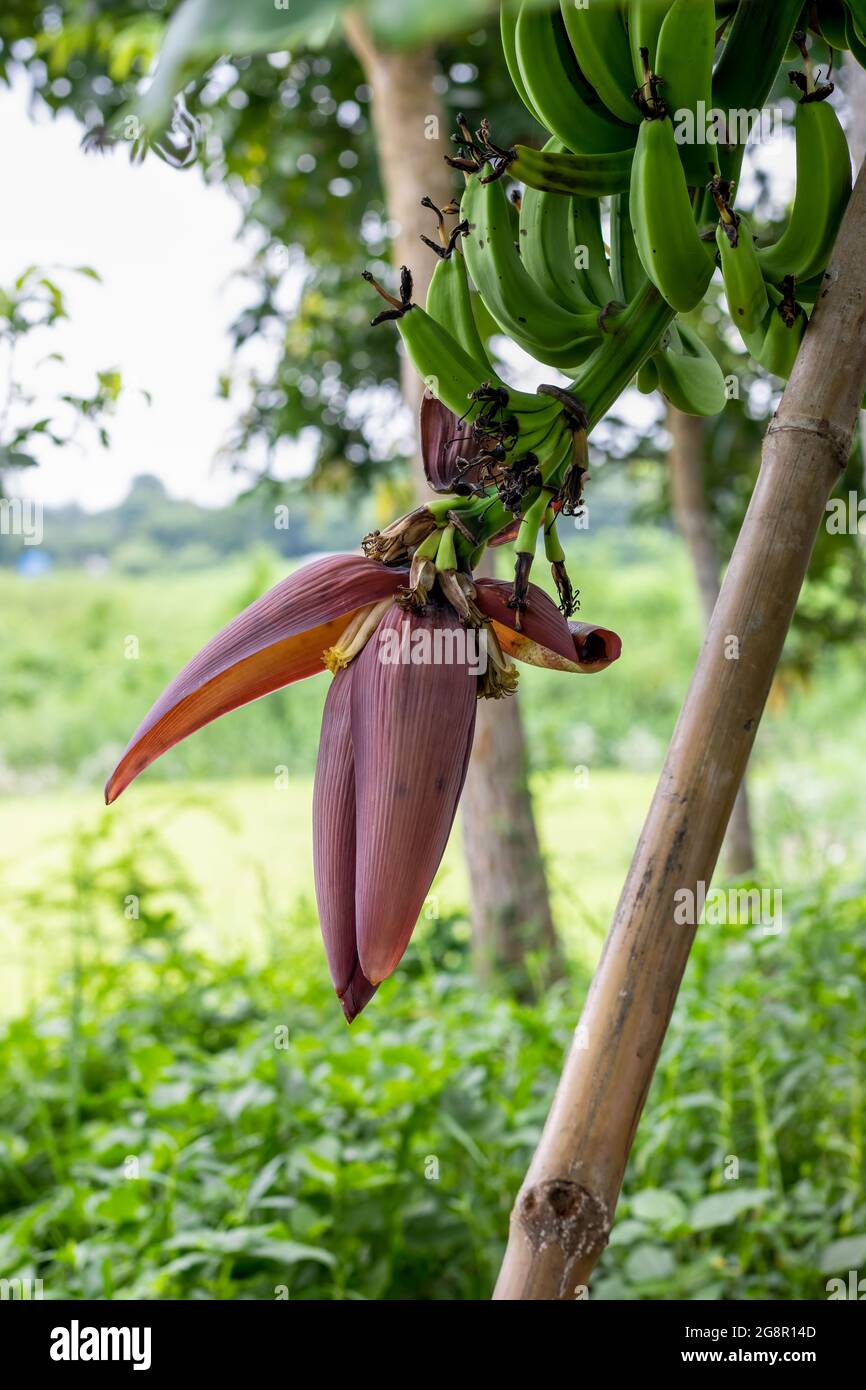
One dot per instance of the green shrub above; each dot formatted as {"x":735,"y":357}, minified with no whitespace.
{"x":175,"y":1127}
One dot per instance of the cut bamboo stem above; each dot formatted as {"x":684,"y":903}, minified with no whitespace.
{"x":564,"y":1211}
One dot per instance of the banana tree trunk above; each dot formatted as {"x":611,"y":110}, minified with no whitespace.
{"x":510,"y":902}
{"x":564,"y":1211}
{"x":511,"y":918}
{"x":411,"y":140}
{"x":692,"y":518}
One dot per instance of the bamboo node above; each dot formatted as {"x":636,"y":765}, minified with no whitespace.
{"x":562,"y":1213}
{"x":838,"y":438}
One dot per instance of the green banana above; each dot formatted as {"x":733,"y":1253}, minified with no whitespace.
{"x":626,"y":270}
{"x":684,"y":65}
{"x":539,"y":324}
{"x":443,"y":365}
{"x":645,"y":19}
{"x":857,"y":11}
{"x":745,"y":289}
{"x":559,"y":92}
{"x":671,"y":252}
{"x":449,"y":302}
{"x":856,"y":39}
{"x":600,"y":41}
{"x":831,"y":23}
{"x":749,"y":64}
{"x":689,"y":375}
{"x":775,"y":344}
{"x":808,"y":290}
{"x":589,"y":248}
{"x":547,"y":247}
{"x":583,"y":175}
{"x":647,"y":379}
{"x":782,"y":343}
{"x":822,"y":193}
{"x":455,"y":377}
{"x":507,"y":25}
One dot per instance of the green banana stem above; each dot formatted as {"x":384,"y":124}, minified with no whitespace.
{"x":446,"y":555}
{"x":634,"y":337}
{"x":527,"y":536}
{"x":552,"y":544}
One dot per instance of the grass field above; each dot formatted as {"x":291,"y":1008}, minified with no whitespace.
{"x":246,"y":847}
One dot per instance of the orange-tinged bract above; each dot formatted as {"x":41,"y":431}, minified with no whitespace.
{"x":277,"y":640}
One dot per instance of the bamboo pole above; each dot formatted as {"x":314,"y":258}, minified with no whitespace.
{"x":691,"y":511}
{"x":563,"y":1214}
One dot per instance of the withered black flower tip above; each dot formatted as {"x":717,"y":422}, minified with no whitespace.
{"x":98,"y":140}
{"x":520,"y":588}
{"x":571,"y":492}
{"x":461,"y":229}
{"x":387,"y":315}
{"x":441,"y":251}
{"x":567,"y":599}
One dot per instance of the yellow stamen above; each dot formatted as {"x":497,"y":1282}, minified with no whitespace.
{"x":355,"y":636}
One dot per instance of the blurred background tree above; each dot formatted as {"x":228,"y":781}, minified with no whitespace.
{"x":345,"y":139}
{"x":29,"y":309}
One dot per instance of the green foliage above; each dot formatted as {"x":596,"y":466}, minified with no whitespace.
{"x":34,"y":304}
{"x":83,"y":645}
{"x":172,"y":1127}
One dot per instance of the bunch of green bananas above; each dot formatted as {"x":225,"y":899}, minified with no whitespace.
{"x":617,"y":225}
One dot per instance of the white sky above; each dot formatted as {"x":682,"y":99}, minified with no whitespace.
{"x":165,"y":246}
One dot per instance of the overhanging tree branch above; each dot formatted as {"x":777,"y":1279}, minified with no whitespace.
{"x":564,"y":1210}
